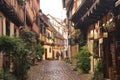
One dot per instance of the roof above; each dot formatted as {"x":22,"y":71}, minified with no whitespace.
{"x":44,"y":18}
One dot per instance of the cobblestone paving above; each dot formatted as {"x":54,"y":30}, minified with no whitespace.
{"x":52,"y":70}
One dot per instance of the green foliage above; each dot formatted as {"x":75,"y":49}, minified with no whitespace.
{"x":67,"y":60}
{"x":83,"y":59}
{"x":108,"y":26}
{"x":77,"y":33}
{"x":99,"y":66}
{"x":40,"y":51}
{"x":98,"y":71}
{"x":95,"y":55}
{"x":18,"y":53}
{"x":7,"y":44}
{"x":21,"y":64}
{"x":95,"y":45}
{"x":19,"y":50}
{"x":76,"y":37}
{"x":7,"y":76}
{"x":95,"y":50}
{"x":28,"y":38}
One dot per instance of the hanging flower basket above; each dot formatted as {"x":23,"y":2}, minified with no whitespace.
{"x":109,"y":27}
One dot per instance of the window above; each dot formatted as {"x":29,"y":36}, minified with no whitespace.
{"x":7,"y":27}
{"x":50,"y":50}
{"x":48,"y":35}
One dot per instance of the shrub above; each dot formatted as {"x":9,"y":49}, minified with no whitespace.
{"x":15,"y":49}
{"x":39,"y":51}
{"x":7,"y":76}
{"x":98,"y":71}
{"x":83,"y":59}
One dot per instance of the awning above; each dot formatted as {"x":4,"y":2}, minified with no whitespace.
{"x":81,"y":10}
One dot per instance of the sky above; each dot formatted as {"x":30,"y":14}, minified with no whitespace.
{"x":53,"y":7}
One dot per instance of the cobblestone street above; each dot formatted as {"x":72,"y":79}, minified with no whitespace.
{"x":53,"y":70}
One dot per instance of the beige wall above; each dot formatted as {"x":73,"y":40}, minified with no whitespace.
{"x":48,"y":46}
{"x":49,"y":54}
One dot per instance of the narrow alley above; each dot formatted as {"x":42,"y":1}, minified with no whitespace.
{"x":54,"y":70}
{"x":59,"y":39}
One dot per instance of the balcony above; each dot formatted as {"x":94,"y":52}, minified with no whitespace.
{"x":81,"y":9}
{"x":92,"y":13}
{"x":12,"y":11}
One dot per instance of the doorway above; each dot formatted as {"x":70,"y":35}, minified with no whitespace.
{"x":45,"y":53}
{"x":53,"y":55}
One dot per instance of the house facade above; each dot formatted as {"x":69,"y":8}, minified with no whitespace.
{"x":16,"y":15}
{"x":73,"y":46}
{"x":98,"y":21}
{"x":61,"y":28}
